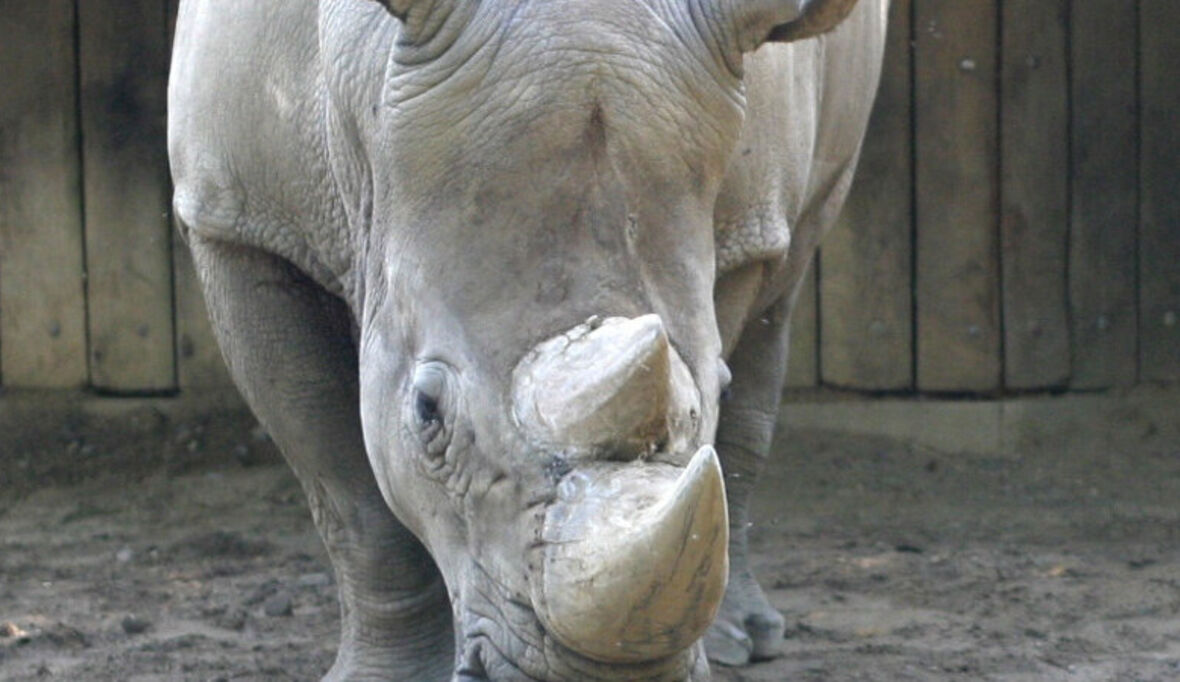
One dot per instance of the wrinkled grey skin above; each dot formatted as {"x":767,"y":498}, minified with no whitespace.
{"x":389,"y":205}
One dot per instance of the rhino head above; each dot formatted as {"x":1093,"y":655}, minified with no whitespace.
{"x":539,"y":354}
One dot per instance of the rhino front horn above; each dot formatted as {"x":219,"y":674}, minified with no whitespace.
{"x":613,"y":385}
{"x":634,"y":559}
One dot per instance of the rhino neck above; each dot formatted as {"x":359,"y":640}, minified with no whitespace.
{"x":499,"y":637}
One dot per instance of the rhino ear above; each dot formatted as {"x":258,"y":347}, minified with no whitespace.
{"x":422,"y":18}
{"x":818,"y":17}
{"x":760,"y":21}
{"x":402,"y":8}
{"x":398,"y":8}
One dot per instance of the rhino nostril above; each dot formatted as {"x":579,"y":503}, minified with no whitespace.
{"x":473,"y":666}
{"x":639,"y":452}
{"x":557,"y":467}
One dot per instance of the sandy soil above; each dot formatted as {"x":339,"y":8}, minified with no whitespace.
{"x":891,"y":562}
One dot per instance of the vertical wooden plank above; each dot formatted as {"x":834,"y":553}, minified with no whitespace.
{"x":866,"y":295}
{"x":1104,"y":180}
{"x":42,"y":305}
{"x":802,"y":357}
{"x":1159,"y":231}
{"x":1034,"y":223}
{"x":958,"y":325}
{"x":128,"y":239}
{"x":170,"y":8}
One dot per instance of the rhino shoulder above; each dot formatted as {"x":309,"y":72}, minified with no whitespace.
{"x":246,"y":134}
{"x":808,"y":108}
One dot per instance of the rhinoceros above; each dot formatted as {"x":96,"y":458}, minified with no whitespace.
{"x":508,"y":282}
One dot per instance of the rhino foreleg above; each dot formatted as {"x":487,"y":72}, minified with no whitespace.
{"x":748,"y":627}
{"x":289,"y":348}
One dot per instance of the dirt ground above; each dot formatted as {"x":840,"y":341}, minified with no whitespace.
{"x":890,"y":561}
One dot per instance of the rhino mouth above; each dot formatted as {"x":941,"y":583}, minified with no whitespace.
{"x":503,"y":638}
{"x":625,"y":570}
{"x":483,"y":662}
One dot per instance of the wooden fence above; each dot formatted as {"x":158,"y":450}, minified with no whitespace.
{"x":1016,"y":221}
{"x":1015,"y":225}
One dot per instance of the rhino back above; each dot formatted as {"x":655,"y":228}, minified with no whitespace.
{"x":267,"y":136}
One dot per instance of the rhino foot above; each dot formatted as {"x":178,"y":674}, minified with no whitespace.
{"x":340,"y":673}
{"x":353,"y":670}
{"x":747,"y":628}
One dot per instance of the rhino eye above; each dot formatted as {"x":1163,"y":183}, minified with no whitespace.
{"x":429,"y":402}
{"x":426,"y":409}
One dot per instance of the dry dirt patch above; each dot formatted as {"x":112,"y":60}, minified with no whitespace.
{"x":891,"y":562}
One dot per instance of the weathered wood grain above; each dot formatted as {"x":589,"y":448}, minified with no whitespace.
{"x":802,"y":356}
{"x":1159,"y":229}
{"x":958,"y":292}
{"x":1034,"y":190}
{"x":1104,"y":188}
{"x":42,"y":305}
{"x":123,"y":46}
{"x":866,"y":292}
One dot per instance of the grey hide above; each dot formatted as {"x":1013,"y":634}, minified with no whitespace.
{"x":508,"y":282}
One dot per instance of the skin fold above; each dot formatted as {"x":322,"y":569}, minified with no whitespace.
{"x":485,"y":271}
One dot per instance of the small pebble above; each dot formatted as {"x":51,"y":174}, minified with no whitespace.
{"x":259,"y":434}
{"x":315,"y":580}
{"x":133,"y":625}
{"x":262,"y":593}
{"x":232,"y":619}
{"x":248,"y":456}
{"x":124,"y":555}
{"x":278,"y":605}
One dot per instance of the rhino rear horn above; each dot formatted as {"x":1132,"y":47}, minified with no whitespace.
{"x":611,"y":386}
